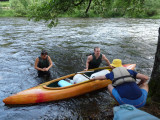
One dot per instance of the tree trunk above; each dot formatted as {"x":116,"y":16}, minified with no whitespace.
{"x":154,"y":84}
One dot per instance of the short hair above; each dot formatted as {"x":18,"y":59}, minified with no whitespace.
{"x":96,"y":48}
{"x":44,"y":52}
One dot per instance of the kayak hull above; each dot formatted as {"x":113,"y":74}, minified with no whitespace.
{"x":43,"y":93}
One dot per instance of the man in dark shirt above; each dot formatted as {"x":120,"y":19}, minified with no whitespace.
{"x":43,"y":64}
{"x":94,"y":60}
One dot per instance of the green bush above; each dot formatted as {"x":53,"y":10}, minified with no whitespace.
{"x":0,"y":8}
{"x":151,"y":7}
{"x":151,"y":12}
{"x":20,"y":7}
{"x":6,"y":13}
{"x":4,"y":4}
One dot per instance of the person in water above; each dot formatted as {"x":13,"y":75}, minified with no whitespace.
{"x":124,"y":88}
{"x":95,"y":59}
{"x":43,"y":64}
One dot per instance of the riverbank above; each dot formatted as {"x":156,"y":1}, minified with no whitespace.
{"x":6,"y":11}
{"x":152,"y":108}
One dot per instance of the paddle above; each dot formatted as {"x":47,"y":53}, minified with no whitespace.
{"x":93,"y":70}
{"x":84,"y":72}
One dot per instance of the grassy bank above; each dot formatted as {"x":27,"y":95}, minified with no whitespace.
{"x":7,"y":13}
{"x":5,"y":10}
{"x":156,"y":16}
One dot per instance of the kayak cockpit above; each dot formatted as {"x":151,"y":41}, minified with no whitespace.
{"x":53,"y":84}
{"x":74,"y":79}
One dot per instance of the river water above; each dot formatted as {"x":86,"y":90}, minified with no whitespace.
{"x":21,"y":41}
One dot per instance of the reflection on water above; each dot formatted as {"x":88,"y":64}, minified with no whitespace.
{"x":21,"y":41}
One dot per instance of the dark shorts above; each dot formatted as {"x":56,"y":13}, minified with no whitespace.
{"x":44,"y":74}
{"x":140,"y":102}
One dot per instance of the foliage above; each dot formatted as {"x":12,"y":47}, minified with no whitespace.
{"x":44,"y":11}
{"x":5,"y":9}
{"x":20,"y":7}
{"x":51,"y":9}
{"x":6,"y":13}
{"x":4,"y":4}
{"x":0,"y":9}
{"x":151,"y":7}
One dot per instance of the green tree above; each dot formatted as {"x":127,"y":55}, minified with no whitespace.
{"x":49,"y":10}
{"x":20,"y":7}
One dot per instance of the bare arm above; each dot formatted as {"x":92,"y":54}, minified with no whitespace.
{"x":50,"y":63}
{"x":99,"y":78}
{"x":87,"y":62}
{"x":143,"y":78}
{"x":36,"y":65}
{"x":107,"y":61}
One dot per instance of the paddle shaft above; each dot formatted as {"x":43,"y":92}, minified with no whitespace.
{"x":84,"y":72}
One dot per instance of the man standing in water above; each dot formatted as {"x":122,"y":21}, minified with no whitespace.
{"x":95,"y":59}
{"x":43,"y":64}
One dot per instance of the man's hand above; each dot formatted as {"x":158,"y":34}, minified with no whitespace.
{"x":85,"y":69}
{"x":45,"y":69}
{"x":111,"y":66}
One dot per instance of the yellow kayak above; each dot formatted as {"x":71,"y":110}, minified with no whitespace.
{"x":50,"y":91}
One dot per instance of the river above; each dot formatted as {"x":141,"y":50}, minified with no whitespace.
{"x":21,"y":41}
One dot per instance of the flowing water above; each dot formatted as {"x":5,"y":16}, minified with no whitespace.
{"x":21,"y":41}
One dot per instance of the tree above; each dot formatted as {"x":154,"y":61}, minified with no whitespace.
{"x":49,"y":10}
{"x":154,"y":84}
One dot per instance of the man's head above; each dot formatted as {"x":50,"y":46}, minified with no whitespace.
{"x":116,"y":63}
{"x":44,"y":54}
{"x":97,"y":51}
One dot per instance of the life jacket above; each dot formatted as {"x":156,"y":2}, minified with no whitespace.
{"x":43,"y":63}
{"x":121,"y":75}
{"x":95,"y":63}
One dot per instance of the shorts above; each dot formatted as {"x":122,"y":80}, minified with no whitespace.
{"x":140,"y":102}
{"x":43,"y":74}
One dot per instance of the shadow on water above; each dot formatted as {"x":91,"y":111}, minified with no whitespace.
{"x":132,"y":40}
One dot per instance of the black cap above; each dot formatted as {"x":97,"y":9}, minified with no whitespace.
{"x":44,"y":52}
